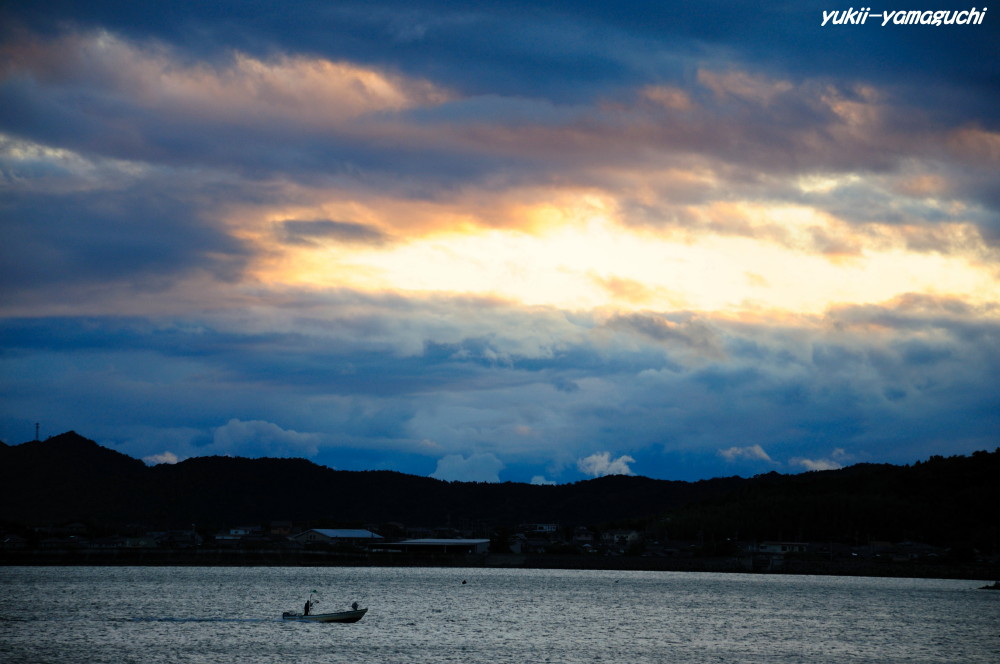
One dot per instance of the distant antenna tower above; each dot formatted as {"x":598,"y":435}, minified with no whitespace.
{"x":36,"y":430}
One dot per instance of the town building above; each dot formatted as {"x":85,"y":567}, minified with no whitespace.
{"x":440,"y":545}
{"x":355,"y":536}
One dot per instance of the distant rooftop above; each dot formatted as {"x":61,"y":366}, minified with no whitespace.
{"x":346,"y":533}
{"x":444,"y":542}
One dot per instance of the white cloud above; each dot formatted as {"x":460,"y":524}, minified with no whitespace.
{"x":539,"y":480}
{"x":752,"y":452}
{"x":836,"y":459}
{"x":475,"y":468}
{"x":164,"y":457}
{"x":601,"y":464}
{"x":816,"y":464}
{"x":259,"y":438}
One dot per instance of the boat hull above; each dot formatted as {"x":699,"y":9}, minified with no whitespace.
{"x":339,"y":617}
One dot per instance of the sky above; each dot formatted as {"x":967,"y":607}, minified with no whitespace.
{"x":523,"y":241}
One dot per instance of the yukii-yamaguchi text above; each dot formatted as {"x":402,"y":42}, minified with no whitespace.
{"x":861,"y":15}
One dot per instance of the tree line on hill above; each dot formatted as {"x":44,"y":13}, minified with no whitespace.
{"x":941,"y":501}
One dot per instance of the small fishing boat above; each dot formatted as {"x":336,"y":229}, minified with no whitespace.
{"x":351,"y":616}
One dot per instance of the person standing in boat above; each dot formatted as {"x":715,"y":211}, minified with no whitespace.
{"x":305,"y":611}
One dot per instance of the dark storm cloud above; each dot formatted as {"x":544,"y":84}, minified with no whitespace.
{"x":837,"y":388}
{"x":692,"y":335}
{"x":754,"y":126}
{"x":558,"y":45}
{"x":296,"y":231}
{"x":514,"y":49}
{"x":144,"y":237}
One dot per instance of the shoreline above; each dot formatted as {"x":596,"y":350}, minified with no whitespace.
{"x":285,"y":558}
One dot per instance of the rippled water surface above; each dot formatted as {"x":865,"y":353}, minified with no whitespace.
{"x":185,"y":614}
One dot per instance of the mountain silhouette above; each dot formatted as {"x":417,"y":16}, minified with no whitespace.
{"x":70,"y":478}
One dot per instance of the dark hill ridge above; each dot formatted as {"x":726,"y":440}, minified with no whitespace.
{"x":940,"y":501}
{"x":69,"y":477}
{"x":64,"y":476}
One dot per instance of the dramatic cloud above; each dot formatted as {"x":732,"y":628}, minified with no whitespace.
{"x":384,"y":377}
{"x":481,"y":243}
{"x":155,"y":80}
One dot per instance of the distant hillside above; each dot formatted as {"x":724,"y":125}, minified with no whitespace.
{"x":943,"y":501}
{"x":69,"y":477}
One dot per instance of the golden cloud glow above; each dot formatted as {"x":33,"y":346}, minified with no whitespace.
{"x":671,"y":231}
{"x":583,"y":259}
{"x":310,"y":91}
{"x":304,"y":91}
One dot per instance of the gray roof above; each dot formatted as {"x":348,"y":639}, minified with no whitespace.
{"x":346,"y":533}
{"x":442,"y":542}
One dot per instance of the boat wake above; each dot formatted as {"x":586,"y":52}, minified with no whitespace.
{"x":152,"y":619}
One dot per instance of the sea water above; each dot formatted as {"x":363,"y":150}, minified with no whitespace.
{"x":433,"y":615}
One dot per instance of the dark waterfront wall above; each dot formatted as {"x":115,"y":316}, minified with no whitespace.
{"x":280,"y":558}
